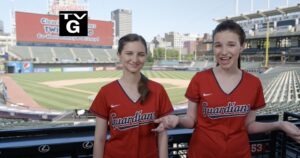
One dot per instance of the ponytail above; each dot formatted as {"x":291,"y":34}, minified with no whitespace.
{"x":143,"y":88}
{"x":239,"y":62}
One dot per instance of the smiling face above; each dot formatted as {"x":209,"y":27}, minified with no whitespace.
{"x":227,"y":48}
{"x":133,"y":56}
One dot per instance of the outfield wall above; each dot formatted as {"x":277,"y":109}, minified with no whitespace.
{"x":19,"y":67}
{"x":29,"y":67}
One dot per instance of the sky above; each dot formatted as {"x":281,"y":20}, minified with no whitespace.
{"x":156,"y":17}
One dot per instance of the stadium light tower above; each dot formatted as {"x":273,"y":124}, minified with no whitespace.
{"x":236,"y":7}
{"x":12,"y":22}
{"x":251,"y":6}
{"x":179,"y":56}
{"x":165,"y":53}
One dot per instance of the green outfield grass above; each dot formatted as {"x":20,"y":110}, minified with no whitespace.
{"x":76,"y":96}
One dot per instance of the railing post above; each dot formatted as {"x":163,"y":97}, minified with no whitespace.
{"x":273,"y":144}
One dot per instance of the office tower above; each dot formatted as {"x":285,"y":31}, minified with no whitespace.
{"x":123,"y":22}
{"x":1,"y":27}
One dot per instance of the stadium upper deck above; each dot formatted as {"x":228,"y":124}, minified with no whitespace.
{"x":63,"y":54}
{"x":283,"y":28}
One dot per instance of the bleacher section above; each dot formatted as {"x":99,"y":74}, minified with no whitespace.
{"x":284,"y":88}
{"x":64,"y":54}
{"x":27,"y":114}
{"x":281,"y":90}
{"x":250,"y":65}
{"x":200,"y":65}
{"x":6,"y":123}
{"x":22,"y":52}
{"x":100,"y":55}
{"x":171,"y":65}
{"x":42,"y":54}
{"x":251,"y":51}
{"x":83,"y":55}
{"x":112,"y":54}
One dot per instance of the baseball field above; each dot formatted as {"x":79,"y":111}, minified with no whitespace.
{"x":75,"y":90}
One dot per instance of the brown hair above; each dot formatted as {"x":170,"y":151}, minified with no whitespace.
{"x":143,"y":88}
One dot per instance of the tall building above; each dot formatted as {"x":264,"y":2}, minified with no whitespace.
{"x":177,"y":39}
{"x":123,"y":22}
{"x":1,"y":27}
{"x":54,"y":6}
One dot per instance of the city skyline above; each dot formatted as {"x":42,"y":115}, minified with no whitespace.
{"x":156,"y":17}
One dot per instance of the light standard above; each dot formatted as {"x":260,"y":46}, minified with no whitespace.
{"x":236,"y":7}
{"x":267,"y":44}
{"x":179,"y":57}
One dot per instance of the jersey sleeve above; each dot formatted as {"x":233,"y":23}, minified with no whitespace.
{"x":99,"y":106}
{"x":259,"y":100}
{"x":192,"y":92}
{"x":165,"y":105}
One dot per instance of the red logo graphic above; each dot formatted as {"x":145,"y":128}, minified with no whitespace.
{"x":26,"y":65}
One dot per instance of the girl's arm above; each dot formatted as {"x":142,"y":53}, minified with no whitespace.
{"x":100,"y":137}
{"x":189,"y":120}
{"x":258,"y":127}
{"x":163,"y":144}
{"x":171,"y":121}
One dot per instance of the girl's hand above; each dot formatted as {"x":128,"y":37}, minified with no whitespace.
{"x":291,"y":130}
{"x":166,"y":122}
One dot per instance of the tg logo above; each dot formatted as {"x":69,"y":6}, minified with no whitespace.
{"x":73,"y":23}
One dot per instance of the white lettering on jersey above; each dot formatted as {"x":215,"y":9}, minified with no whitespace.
{"x":139,"y":118}
{"x":230,"y":110}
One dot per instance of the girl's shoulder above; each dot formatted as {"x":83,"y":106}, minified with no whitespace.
{"x":110,"y":86}
{"x":154,"y":84}
{"x":204,"y":73}
{"x":250,"y":76}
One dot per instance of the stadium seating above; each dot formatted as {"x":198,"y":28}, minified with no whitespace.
{"x":100,"y":55}
{"x":250,"y":65}
{"x":22,"y":52}
{"x":283,"y":88}
{"x":82,"y":54}
{"x":112,"y":54}
{"x":64,"y":54}
{"x":42,"y":54}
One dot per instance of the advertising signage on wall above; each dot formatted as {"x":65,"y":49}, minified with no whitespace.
{"x":40,"y":29}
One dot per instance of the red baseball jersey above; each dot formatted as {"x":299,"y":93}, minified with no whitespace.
{"x":130,"y":123}
{"x":220,"y":130}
